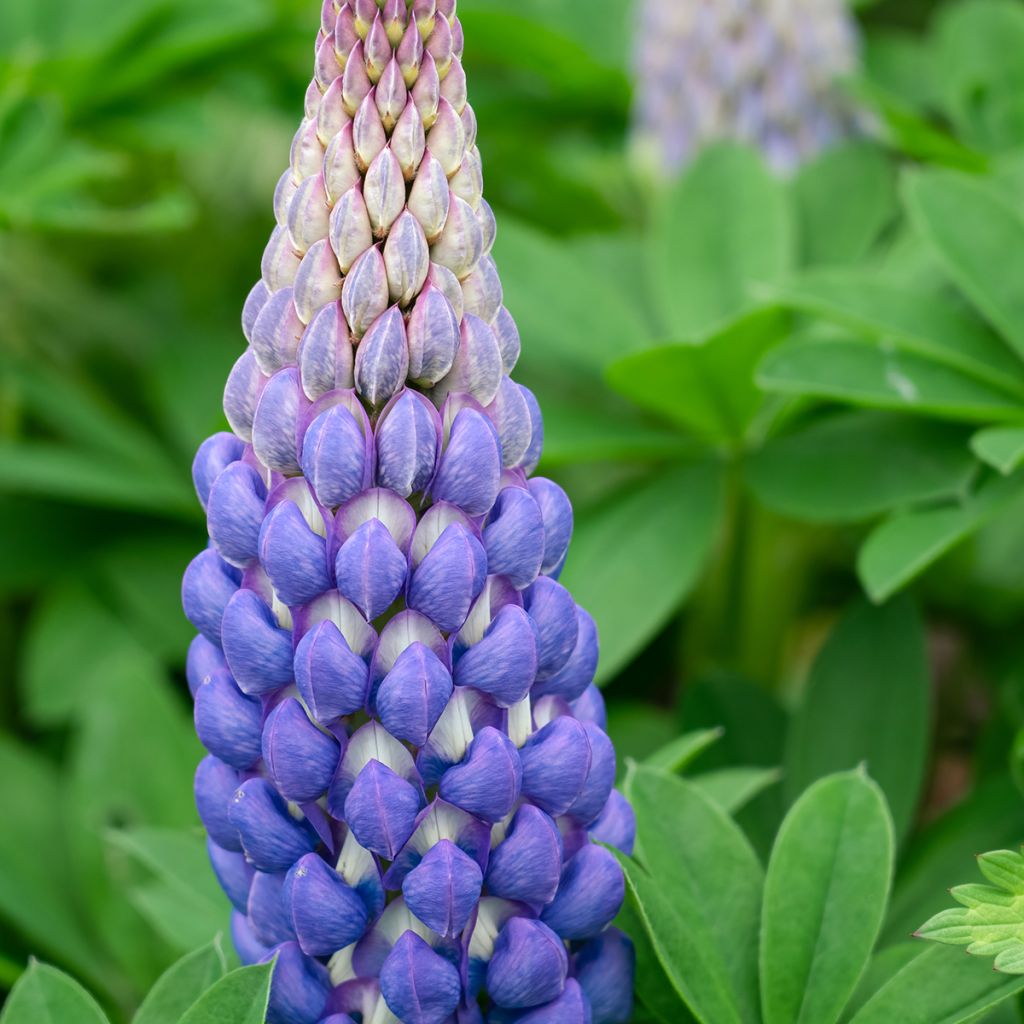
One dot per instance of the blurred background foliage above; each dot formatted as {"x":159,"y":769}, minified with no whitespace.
{"x":797,"y":456}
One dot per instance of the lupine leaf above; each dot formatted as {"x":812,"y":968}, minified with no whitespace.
{"x":832,"y":232}
{"x":926,"y":322}
{"x":829,"y":471}
{"x":633,"y":561}
{"x":733,"y":788}
{"x":240,"y":997}
{"x":699,"y":893}
{"x":725,"y":227}
{"x":978,"y":236}
{"x":867,"y":701}
{"x":862,"y":373}
{"x":1001,"y":447}
{"x":990,"y":919}
{"x":883,"y":966}
{"x":675,"y":756}
{"x":941,"y":986}
{"x":181,"y":985}
{"x":183,"y":902}
{"x":44,"y":995}
{"x":706,"y":387}
{"x":824,"y":898}
{"x":992,"y":817}
{"x":905,"y":545}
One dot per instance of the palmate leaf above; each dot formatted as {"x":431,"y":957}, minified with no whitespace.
{"x":990,"y":919}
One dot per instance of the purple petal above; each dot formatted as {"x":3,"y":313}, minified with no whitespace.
{"x":604,"y":968}
{"x":408,"y":442}
{"x":242,"y":392}
{"x":214,"y":787}
{"x":589,"y":895}
{"x":553,"y":612}
{"x":529,"y":965}
{"x":510,"y":414}
{"x":556,"y":511}
{"x":334,"y":456}
{"x":527,"y":864}
{"x":269,"y":913}
{"x":203,"y":659}
{"x":488,"y":781}
{"x":331,"y":678}
{"x":508,"y":339}
{"x":235,"y":513}
{"x":589,"y":707}
{"x":476,"y":369}
{"x":294,"y":557}
{"x":573,"y":678}
{"x":419,"y":986}
{"x":206,"y":588}
{"x":326,"y":357}
{"x":275,"y":423}
{"x":250,"y":950}
{"x":504,"y":663}
{"x":371,"y":569}
{"x":413,"y":694}
{"x":556,"y":762}
{"x":433,"y":333}
{"x":254,"y":302}
{"x":616,"y":825}
{"x":443,"y":889}
{"x":469,"y":473}
{"x":327,"y":912}
{"x":600,"y":779}
{"x":381,"y":809}
{"x":533,"y":452}
{"x":514,"y":537}
{"x":447,"y":581}
{"x":276,"y":333}
{"x":272,"y":839}
{"x":234,"y":873}
{"x":382,"y":358}
{"x":571,"y":1007}
{"x":298,"y":987}
{"x":258,"y":651}
{"x":215,"y":454}
{"x":300,"y":758}
{"x":228,"y":722}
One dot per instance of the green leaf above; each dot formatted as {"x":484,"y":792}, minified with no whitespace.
{"x":635,"y":727}
{"x":883,"y":966}
{"x":867,"y":701}
{"x":698,"y":893}
{"x":724,"y":228}
{"x":181,"y":985}
{"x":543,"y":283}
{"x":905,"y":545}
{"x":992,"y":817}
{"x":824,"y":899}
{"x":37,"y":896}
{"x":939,"y":987}
{"x":634,"y":560}
{"x":881,"y":377}
{"x":829,"y":470}
{"x":978,"y":237}
{"x":44,"y":995}
{"x":924,"y":321}
{"x":707,"y":387}
{"x":733,"y":788}
{"x":832,"y":232}
{"x":240,"y":997}
{"x":184,"y":902}
{"x":683,"y":750}
{"x":990,"y":918}
{"x":1001,"y":447}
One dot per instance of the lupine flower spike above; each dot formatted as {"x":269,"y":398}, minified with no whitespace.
{"x":761,"y":72}
{"x":407,"y":760}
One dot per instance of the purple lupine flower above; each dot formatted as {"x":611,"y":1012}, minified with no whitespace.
{"x":761,"y":72}
{"x":407,"y":763}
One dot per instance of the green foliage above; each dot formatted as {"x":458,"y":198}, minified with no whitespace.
{"x":44,"y":995}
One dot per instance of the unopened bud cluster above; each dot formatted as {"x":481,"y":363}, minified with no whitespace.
{"x":407,"y":758}
{"x":760,"y":72}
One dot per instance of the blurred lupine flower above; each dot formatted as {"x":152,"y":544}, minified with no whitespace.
{"x":761,"y":72}
{"x":407,"y":757}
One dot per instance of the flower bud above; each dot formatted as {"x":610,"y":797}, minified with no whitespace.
{"x":469,"y":472}
{"x":308,"y":213}
{"x":328,"y":913}
{"x":487,"y":782}
{"x":257,"y":650}
{"x":228,"y":722}
{"x":413,"y":694}
{"x":275,"y":422}
{"x":381,"y":809}
{"x":268,"y":909}
{"x":241,"y":394}
{"x":298,"y":987}
{"x":325,"y":355}
{"x":430,"y":198}
{"x":406,"y":259}
{"x":382,"y":358}
{"x":476,"y":369}
{"x":272,"y":839}
{"x":556,"y":763}
{"x":294,"y":557}
{"x":443,"y":889}
{"x":276,"y":332}
{"x":529,"y":965}
{"x":300,"y":758}
{"x":208,"y":585}
{"x":215,"y":784}
{"x":418,"y":985}
{"x":434,"y":336}
{"x":215,"y":454}
{"x":461,"y":242}
{"x":527,"y":864}
{"x":590,"y":893}
{"x":553,"y":612}
{"x":408,"y":443}
{"x":234,"y":873}
{"x":616,"y":825}
{"x":604,"y":969}
{"x":364,"y":295}
{"x":335,"y":455}
{"x":370,"y":569}
{"x":331,"y":678}
{"x":384,"y":191}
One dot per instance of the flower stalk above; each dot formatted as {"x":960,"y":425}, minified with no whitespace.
{"x":407,"y":758}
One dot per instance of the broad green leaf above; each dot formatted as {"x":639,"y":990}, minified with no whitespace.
{"x":1001,"y":447}
{"x":183,"y":902}
{"x":36,"y":895}
{"x":699,"y":894}
{"x":635,"y":728}
{"x":990,"y":918}
{"x":633,"y":561}
{"x":992,"y":817}
{"x":582,"y":432}
{"x":830,"y":470}
{"x":733,"y":788}
{"x":979,"y":237}
{"x":883,"y":966}
{"x":923,"y":321}
{"x":881,"y":377}
{"x":44,"y":995}
{"x":181,"y":985}
{"x":683,"y":750}
{"x":240,"y":997}
{"x":942,"y":986}
{"x":725,"y":227}
{"x":840,"y":232}
{"x":706,"y":387}
{"x":908,"y":543}
{"x":824,"y":899}
{"x":867,"y":701}
{"x":543,"y":286}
